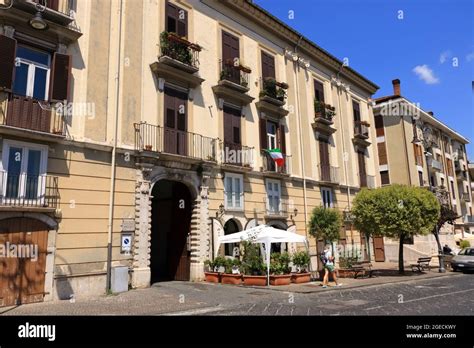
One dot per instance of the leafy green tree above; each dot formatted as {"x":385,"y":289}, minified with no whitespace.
{"x":325,"y":223}
{"x":447,"y":215}
{"x":396,"y":211}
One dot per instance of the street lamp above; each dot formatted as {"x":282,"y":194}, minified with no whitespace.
{"x":37,"y":22}
{"x":427,"y":142}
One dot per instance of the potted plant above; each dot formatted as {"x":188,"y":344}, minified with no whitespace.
{"x":301,"y":261}
{"x":212,"y":274}
{"x":148,"y":147}
{"x":252,"y":265}
{"x":232,"y":274}
{"x":280,"y":94}
{"x":280,"y":271}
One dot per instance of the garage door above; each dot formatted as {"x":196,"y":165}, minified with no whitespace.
{"x":23,"y":247}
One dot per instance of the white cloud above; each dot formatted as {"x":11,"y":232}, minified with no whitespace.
{"x":470,"y":57}
{"x":444,"y":56}
{"x":426,"y":74}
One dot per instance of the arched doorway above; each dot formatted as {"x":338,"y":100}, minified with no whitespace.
{"x":170,"y":229}
{"x":231,"y":226}
{"x":22,"y":271}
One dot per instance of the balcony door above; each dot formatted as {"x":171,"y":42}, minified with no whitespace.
{"x":232,"y":135}
{"x":324,"y":160}
{"x":273,"y":196}
{"x":362,"y":169}
{"x":230,"y":57}
{"x":176,"y":122}
{"x":24,"y":173}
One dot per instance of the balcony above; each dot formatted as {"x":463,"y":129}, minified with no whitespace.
{"x":277,"y":208}
{"x":361,"y":134}
{"x":328,"y":174}
{"x":236,"y":155}
{"x":27,"y":191}
{"x":155,"y":139}
{"x":461,"y":175}
{"x":272,"y":97}
{"x":269,"y":166}
{"x":367,"y":181}
{"x":469,"y":219}
{"x":178,"y":60}
{"x":323,"y":118}
{"x":436,"y":165}
{"x":465,"y":196}
{"x":38,"y":118}
{"x":233,"y":83}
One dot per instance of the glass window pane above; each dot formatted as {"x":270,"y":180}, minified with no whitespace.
{"x":39,"y":91}
{"x":32,"y":177}
{"x":237,"y":192}
{"x":14,"y":169}
{"x":33,"y":55}
{"x":21,"y":79}
{"x":228,"y":191}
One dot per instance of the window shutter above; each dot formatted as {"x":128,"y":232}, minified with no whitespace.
{"x":382,"y":153}
{"x":263,"y":134}
{"x":7,"y":62}
{"x":356,"y":109}
{"x":268,"y":66}
{"x":282,"y":139}
{"x":319,"y":91}
{"x":379,"y":126}
{"x":60,"y":78}
{"x":230,"y":47}
{"x":228,"y":127}
{"x":182,"y":22}
{"x":53,"y":4}
{"x":171,"y":18}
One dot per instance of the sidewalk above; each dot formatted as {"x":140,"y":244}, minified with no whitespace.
{"x":385,"y":274}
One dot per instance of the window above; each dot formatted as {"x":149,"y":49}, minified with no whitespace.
{"x":326,"y":195}
{"x":356,"y":111}
{"x":32,"y":69}
{"x":442,"y":182}
{"x":433,"y":181}
{"x":318,"y":91}
{"x":24,"y":170}
{"x":420,"y":178}
{"x":385,"y":177}
{"x":268,"y":66}
{"x":452,"y":189}
{"x":273,"y":196}
{"x":233,"y":191}
{"x":176,"y":20}
{"x":272,"y":135}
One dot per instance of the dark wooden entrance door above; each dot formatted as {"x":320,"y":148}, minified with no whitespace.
{"x":22,"y":277}
{"x":171,"y":226}
{"x":379,"y":249}
{"x":175,"y":129}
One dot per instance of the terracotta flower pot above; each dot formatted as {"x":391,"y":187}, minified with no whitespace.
{"x":299,"y":278}
{"x":212,"y":277}
{"x":234,"y":279}
{"x":255,"y":280}
{"x":283,"y":279}
{"x":345,"y":273}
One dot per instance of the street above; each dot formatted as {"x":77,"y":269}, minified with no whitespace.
{"x":450,"y":294}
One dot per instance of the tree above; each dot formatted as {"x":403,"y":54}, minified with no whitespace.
{"x":325,"y":223}
{"x":447,"y":215}
{"x":396,"y":211}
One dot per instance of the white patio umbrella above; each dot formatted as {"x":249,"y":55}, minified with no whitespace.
{"x":266,"y":235}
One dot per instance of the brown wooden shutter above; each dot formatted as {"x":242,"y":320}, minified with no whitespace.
{"x":182,"y":22}
{"x":268,"y":66}
{"x":7,"y":62}
{"x":318,"y":91}
{"x":230,"y":47}
{"x":60,"y":78}
{"x":380,"y":131}
{"x":356,"y":109}
{"x":263,"y":134}
{"x":53,"y":4}
{"x":362,"y":171}
{"x":171,"y":14}
{"x":324,"y":153}
{"x":282,"y":139}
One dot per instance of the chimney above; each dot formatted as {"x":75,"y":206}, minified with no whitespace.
{"x":430,"y":113}
{"x":396,"y":86}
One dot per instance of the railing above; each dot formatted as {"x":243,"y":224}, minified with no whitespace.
{"x":234,"y":73}
{"x":466,"y":197}
{"x":26,"y":190}
{"x":324,"y":111}
{"x":153,"y":138}
{"x":27,"y":113}
{"x":273,"y":89}
{"x":469,"y":219}
{"x":361,"y":129}
{"x":61,"y":6}
{"x":277,"y":207}
{"x":328,"y":173}
{"x":179,"y":49}
{"x":236,"y":154}
{"x":269,"y":164}
{"x":370,"y":181}
{"x":436,"y":165}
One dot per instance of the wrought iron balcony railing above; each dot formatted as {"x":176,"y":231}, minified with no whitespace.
{"x":270,"y":166}
{"x":180,"y":49}
{"x":236,"y":154}
{"x":237,"y":74}
{"x":328,"y":173}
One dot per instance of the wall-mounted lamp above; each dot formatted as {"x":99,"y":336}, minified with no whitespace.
{"x":295,"y":213}
{"x":37,"y":22}
{"x":221,"y":211}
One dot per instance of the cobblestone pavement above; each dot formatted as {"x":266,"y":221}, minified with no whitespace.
{"x":446,"y":295}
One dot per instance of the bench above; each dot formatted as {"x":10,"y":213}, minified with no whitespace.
{"x":421,"y":264}
{"x":361,"y":267}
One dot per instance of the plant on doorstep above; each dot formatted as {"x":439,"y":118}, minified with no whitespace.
{"x":301,"y":261}
{"x":280,"y":271}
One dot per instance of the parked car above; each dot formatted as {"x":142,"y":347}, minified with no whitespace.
{"x":464,"y":260}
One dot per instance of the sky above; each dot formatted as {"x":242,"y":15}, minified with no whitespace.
{"x":427,"y":44}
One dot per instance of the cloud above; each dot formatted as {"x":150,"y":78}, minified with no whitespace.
{"x":444,"y":56}
{"x":470,"y":57}
{"x":426,"y":74}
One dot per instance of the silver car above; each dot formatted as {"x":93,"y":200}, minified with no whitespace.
{"x":464,"y":261}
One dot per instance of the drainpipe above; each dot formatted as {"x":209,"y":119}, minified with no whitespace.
{"x":114,"y":156}
{"x":305,"y":204}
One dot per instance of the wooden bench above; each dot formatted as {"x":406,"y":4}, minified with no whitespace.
{"x":421,"y":264}
{"x":361,"y":267}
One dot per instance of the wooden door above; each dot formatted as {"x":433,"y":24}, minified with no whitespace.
{"x":230,"y":57}
{"x":175,"y":129}
{"x":22,"y":278}
{"x":324,"y":160}
{"x":232,"y":134}
{"x":379,"y":249}
{"x":362,"y":171}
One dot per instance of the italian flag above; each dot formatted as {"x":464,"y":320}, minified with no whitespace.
{"x":277,"y":156}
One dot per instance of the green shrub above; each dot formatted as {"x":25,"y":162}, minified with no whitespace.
{"x":301,"y":260}
{"x":464,"y":244}
{"x":280,"y":263}
{"x":252,"y":263}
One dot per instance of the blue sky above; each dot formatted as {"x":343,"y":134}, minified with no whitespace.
{"x":419,"y":49}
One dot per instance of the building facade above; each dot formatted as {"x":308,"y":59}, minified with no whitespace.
{"x":151,"y":122}
{"x":416,"y":149}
